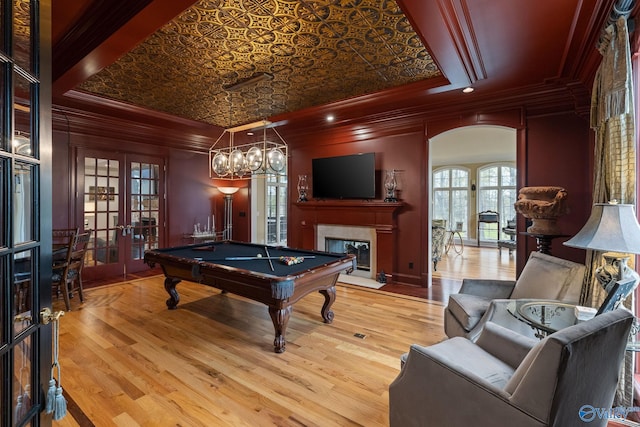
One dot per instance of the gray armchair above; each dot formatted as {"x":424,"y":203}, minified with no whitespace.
{"x":508,"y":379}
{"x":543,"y":277}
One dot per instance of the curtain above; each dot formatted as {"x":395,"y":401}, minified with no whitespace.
{"x":612,"y":118}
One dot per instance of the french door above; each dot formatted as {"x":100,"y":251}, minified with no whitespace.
{"x":121,"y":201}
{"x":25,"y":212}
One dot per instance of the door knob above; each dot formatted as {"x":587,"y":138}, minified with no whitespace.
{"x":47,"y":316}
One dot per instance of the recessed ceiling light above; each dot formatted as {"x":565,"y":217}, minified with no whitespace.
{"x":468,"y":89}
{"x":330,"y":118}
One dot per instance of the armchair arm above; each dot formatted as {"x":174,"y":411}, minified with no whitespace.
{"x":488,"y":288}
{"x":428,"y":391}
{"x":505,"y":344}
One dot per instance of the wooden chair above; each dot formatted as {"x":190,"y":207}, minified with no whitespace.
{"x":67,"y":273}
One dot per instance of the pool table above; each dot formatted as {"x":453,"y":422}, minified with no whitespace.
{"x":256,"y":272}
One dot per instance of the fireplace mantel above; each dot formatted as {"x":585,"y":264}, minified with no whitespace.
{"x":375,"y":214}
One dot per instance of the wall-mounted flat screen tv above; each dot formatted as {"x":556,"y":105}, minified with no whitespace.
{"x":344,"y":177}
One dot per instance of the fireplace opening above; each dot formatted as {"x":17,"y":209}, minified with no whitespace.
{"x":360,"y":248}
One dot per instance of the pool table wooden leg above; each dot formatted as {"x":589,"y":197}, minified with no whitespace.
{"x":170,"y":286}
{"x":280,"y":319}
{"x":329,"y":298}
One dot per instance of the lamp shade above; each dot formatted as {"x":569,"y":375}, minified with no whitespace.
{"x":610,"y":228}
{"x":228,"y":190}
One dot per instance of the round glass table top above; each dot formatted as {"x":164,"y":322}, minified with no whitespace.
{"x":548,"y":316}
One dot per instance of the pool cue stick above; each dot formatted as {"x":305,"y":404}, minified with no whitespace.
{"x":269,"y":258}
{"x":246,"y":258}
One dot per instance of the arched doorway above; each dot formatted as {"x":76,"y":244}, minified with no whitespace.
{"x":472,"y":169}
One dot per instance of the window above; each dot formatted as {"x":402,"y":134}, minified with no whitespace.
{"x":451,"y":197}
{"x":269,"y":217}
{"x":276,"y":204}
{"x":497,"y":192}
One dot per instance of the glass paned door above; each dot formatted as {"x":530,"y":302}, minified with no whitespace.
{"x":25,"y":205}
{"x":101,"y":196}
{"x":122,"y":207}
{"x":144,"y":184}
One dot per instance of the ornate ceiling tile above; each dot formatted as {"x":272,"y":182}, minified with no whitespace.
{"x":315,"y":52}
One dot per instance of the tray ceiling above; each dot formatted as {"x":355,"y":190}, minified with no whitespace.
{"x":309,"y":53}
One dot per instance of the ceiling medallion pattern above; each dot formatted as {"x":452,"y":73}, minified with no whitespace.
{"x":317,"y":52}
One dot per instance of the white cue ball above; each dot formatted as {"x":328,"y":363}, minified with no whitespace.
{"x":259,"y":255}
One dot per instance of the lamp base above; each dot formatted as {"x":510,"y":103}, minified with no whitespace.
{"x":615,"y":268}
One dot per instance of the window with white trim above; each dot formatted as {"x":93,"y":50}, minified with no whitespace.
{"x":497,"y":192}
{"x":451,"y":197}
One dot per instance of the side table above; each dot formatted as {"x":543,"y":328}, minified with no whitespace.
{"x":545,"y":317}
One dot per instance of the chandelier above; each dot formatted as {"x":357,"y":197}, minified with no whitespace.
{"x":259,"y":158}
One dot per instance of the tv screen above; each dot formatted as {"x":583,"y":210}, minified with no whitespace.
{"x":344,"y":177}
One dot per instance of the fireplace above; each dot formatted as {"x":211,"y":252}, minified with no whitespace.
{"x":361,"y":241}
{"x":360,"y":248}
{"x":373,"y":221}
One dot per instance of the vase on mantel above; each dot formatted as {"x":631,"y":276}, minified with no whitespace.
{"x":390,"y":185}
{"x":303,"y":188}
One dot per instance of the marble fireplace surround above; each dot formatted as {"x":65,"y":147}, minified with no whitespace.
{"x":350,"y":232}
{"x":377,"y":217}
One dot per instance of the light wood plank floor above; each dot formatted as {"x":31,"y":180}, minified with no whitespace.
{"x":128,"y":361}
{"x":478,"y":263}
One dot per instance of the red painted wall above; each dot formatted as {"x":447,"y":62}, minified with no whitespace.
{"x":560,"y":152}
{"x":554,"y":149}
{"x":404,"y":151}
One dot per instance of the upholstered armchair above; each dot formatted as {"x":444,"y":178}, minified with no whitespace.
{"x":543,"y":277}
{"x":508,"y":379}
{"x":438,"y":234}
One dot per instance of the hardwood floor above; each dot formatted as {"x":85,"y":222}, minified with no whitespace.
{"x":128,"y":361}
{"x":474,"y":262}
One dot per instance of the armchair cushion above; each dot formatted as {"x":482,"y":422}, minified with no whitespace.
{"x":476,"y":363}
{"x":505,"y":344}
{"x":490,"y":288}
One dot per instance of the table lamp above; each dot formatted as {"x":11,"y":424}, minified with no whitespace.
{"x":612,"y":228}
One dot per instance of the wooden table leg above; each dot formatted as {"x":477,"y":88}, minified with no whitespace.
{"x":170,"y":286}
{"x":329,"y":298}
{"x":280,"y":319}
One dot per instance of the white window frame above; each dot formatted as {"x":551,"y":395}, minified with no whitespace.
{"x":504,"y":217}
{"x":259,"y":219}
{"x":450,"y":221}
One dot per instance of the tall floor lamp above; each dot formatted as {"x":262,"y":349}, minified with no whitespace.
{"x":613,"y":229}
{"x":227,"y":231}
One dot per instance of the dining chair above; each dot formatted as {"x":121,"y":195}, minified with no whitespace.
{"x":67,"y":273}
